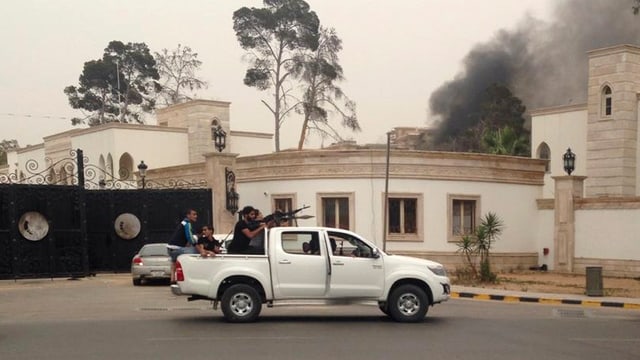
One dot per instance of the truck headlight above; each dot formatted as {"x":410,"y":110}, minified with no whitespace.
{"x":438,"y":270}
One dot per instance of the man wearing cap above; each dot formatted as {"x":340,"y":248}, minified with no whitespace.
{"x":243,"y":232}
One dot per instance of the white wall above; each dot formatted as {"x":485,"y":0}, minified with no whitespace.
{"x":514,"y":204}
{"x":157,"y":148}
{"x":560,"y":131}
{"x":33,"y":156}
{"x":544,"y":234}
{"x":246,"y":145}
{"x":12,"y":159}
{"x":608,"y":234}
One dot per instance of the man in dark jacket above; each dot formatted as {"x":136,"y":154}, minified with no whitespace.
{"x":244,"y":232}
{"x":182,"y":241}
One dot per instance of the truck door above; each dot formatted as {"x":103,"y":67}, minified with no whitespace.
{"x":354,"y":270}
{"x":298,"y":272}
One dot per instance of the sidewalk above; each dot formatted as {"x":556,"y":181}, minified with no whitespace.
{"x":465,"y":292}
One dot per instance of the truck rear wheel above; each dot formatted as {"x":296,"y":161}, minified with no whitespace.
{"x":408,"y":303}
{"x":241,"y":303}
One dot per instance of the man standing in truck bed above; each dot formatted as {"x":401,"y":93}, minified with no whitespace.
{"x":182,"y":240}
{"x":243,"y":233}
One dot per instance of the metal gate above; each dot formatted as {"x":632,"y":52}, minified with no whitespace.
{"x":158,"y":212}
{"x":71,"y":230}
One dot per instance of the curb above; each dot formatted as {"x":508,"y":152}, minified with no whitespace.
{"x":544,"y":300}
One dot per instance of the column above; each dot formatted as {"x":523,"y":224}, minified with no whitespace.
{"x":567,"y":188}
{"x":215,"y":164}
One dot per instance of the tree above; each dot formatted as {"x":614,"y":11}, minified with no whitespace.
{"x":498,"y":109}
{"x":177,"y":74}
{"x":119,"y":87}
{"x":4,"y":146}
{"x":505,"y":141}
{"x":479,"y":244}
{"x":320,"y":71}
{"x":467,"y":246}
{"x":487,"y":233}
{"x":274,"y":36}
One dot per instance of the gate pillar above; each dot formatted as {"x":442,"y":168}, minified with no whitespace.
{"x":216,"y":164}
{"x":567,"y":188}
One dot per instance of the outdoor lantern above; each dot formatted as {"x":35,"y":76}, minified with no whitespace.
{"x":569,"y":160}
{"x":232,"y":195}
{"x":142,"y":168}
{"x":232,"y":201}
{"x":220,"y":138}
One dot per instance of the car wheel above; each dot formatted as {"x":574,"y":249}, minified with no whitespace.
{"x":241,"y":303}
{"x":408,"y":303}
{"x":137,"y":282}
{"x":384,"y":307}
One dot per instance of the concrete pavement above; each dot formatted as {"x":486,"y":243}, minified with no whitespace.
{"x":457,"y":292}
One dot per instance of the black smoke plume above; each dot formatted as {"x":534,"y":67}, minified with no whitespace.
{"x":544,"y":64}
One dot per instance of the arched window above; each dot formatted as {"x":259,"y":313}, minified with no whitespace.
{"x":214,"y":125}
{"x":544,"y":153}
{"x":62,"y":176}
{"x":102,"y":164}
{"x":607,"y":101}
{"x":110,"y":166}
{"x":125,"y":171}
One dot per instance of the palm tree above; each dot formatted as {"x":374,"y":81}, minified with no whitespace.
{"x":467,"y":246}
{"x":487,"y":233}
{"x":505,"y":141}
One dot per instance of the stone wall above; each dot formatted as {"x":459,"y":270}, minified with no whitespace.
{"x":612,"y":139}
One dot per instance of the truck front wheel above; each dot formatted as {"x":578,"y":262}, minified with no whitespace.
{"x":241,"y":303}
{"x":408,"y":303}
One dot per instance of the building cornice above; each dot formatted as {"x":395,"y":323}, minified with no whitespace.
{"x":251,"y":134}
{"x":192,"y":103}
{"x":614,"y":50}
{"x":599,"y":203}
{"x":404,"y":164}
{"x":558,"y":109}
{"x":113,"y":126}
{"x":29,"y":148}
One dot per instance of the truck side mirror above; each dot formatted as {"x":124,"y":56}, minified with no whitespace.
{"x":374,"y":253}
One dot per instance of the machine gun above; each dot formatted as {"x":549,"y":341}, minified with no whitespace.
{"x":285,"y":216}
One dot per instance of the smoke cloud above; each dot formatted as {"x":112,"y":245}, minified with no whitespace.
{"x":544,"y":64}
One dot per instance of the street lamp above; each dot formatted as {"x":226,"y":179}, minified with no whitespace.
{"x":569,"y":160}
{"x":232,"y":195}
{"x":220,"y":138}
{"x":142,"y":169}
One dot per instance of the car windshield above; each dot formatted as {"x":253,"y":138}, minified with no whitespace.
{"x":154,"y":250}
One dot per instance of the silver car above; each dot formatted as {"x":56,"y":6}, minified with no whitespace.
{"x":151,"y":262}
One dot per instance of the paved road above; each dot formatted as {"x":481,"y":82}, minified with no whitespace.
{"x":107,"y":318}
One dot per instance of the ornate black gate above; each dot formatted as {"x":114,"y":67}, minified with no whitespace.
{"x":70,"y":230}
{"x":111,"y":245}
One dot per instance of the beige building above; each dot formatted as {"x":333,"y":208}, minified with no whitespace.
{"x":591,"y":218}
{"x":596,"y":213}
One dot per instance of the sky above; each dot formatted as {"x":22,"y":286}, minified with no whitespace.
{"x":395,"y":54}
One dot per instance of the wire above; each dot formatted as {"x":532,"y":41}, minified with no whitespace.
{"x":36,"y":116}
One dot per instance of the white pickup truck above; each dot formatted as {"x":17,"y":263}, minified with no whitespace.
{"x":324,"y":265}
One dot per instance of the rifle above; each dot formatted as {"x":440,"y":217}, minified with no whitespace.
{"x":281,"y":216}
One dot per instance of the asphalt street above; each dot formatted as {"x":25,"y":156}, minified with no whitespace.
{"x":105,"y":317}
